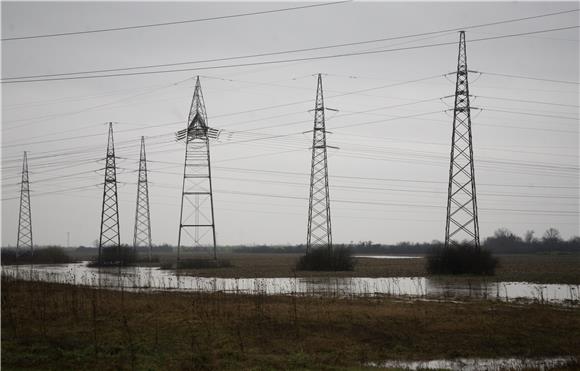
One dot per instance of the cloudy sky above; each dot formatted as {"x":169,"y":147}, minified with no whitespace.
{"x":388,"y":179}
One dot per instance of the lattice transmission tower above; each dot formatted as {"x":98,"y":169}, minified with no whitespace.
{"x":109,"y":236}
{"x":462,"y":224}
{"x":319,"y":228}
{"x":142,"y":233}
{"x":196,"y":220}
{"x":24,"y":216}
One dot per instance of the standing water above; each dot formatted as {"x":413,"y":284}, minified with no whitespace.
{"x":143,"y":278}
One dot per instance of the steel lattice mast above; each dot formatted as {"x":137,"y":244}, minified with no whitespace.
{"x":319,"y":229}
{"x":142,"y":234}
{"x":25,"y":216}
{"x":196,"y":221}
{"x":462,"y":223}
{"x":109,"y":236}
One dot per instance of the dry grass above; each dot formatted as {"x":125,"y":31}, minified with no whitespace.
{"x":52,"y":326}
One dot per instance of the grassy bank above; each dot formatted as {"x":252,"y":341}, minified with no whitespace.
{"x":53,"y":326}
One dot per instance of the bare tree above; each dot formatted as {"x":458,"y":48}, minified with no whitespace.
{"x":529,"y":236}
{"x":552,"y":235}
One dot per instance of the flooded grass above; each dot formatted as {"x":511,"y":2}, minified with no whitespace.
{"x":60,"y":326}
{"x":537,"y":268}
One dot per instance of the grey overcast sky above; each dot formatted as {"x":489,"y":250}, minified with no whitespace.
{"x":388,"y":179}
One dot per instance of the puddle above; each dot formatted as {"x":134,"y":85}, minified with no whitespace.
{"x":387,"y":257}
{"x":143,"y":278}
{"x":478,"y":364}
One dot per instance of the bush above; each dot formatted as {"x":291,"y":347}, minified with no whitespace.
{"x":462,"y":259}
{"x":203,"y":263}
{"x":114,"y":256}
{"x":322,"y":259}
{"x":47,"y":255}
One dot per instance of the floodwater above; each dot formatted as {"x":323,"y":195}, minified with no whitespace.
{"x":474,"y":364}
{"x":387,"y":257}
{"x":143,"y":278}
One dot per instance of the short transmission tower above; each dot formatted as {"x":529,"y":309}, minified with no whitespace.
{"x":196,"y":221}
{"x":319,"y":231}
{"x":25,"y":217}
{"x":142,"y":235}
{"x":462,"y":223}
{"x":110,"y":214}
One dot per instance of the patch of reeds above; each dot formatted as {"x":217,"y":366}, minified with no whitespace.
{"x":461,"y":259}
{"x":323,"y":259}
{"x":114,"y":256}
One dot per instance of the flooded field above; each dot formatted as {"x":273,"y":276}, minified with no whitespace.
{"x":142,"y":278}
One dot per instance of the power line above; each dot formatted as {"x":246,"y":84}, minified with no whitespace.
{"x":295,"y":50}
{"x":286,"y":51}
{"x":527,"y":101}
{"x":406,"y":189}
{"x":124,"y":28}
{"x":530,"y":114}
{"x":530,"y":78}
{"x":28,"y":79}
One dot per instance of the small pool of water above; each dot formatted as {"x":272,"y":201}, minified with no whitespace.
{"x":143,"y":278}
{"x":388,"y":257}
{"x":478,"y":364}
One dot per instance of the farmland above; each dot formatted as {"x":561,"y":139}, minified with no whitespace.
{"x":52,"y":326}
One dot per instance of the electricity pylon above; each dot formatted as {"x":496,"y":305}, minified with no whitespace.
{"x":196,"y":220}
{"x":319,"y":230}
{"x":24,"y":216}
{"x":109,"y":236}
{"x":142,"y":234}
{"x":462,"y":223}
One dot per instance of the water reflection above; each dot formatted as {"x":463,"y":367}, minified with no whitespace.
{"x":474,"y":364}
{"x":143,"y":278}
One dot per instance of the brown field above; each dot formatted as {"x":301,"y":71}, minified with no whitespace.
{"x":62,"y":327}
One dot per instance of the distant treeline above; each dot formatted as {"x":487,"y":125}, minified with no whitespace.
{"x":503,"y":241}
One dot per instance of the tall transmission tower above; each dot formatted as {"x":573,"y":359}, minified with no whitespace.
{"x":319,"y":230}
{"x":196,"y":220}
{"x":462,"y":224}
{"x":24,"y":216}
{"x":110,"y":213}
{"x":142,"y":234}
